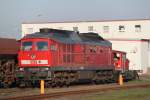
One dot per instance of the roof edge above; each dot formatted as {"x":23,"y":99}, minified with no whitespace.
{"x":81,"y":21}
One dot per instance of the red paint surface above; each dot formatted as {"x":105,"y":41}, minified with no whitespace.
{"x":67,"y":55}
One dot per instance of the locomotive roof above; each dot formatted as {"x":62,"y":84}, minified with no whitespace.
{"x":66,"y":36}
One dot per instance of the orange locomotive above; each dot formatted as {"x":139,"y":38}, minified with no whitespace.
{"x":120,"y":61}
{"x":61,"y":57}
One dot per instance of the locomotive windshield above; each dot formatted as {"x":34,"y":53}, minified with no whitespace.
{"x":26,"y":46}
{"x":42,"y":46}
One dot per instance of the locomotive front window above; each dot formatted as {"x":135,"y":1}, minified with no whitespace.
{"x":42,"y":46}
{"x":26,"y":46}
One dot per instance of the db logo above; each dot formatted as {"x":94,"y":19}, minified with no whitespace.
{"x":33,"y":56}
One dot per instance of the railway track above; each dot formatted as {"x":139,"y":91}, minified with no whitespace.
{"x":75,"y":92}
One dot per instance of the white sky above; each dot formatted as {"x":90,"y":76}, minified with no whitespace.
{"x":14,"y":12}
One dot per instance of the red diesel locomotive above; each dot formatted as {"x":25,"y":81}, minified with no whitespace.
{"x":61,"y":57}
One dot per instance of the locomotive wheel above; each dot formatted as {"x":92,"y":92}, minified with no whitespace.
{"x":67,"y":82}
{"x":48,"y":84}
{"x":22,"y":84}
{"x":62,"y":82}
{"x":53,"y":83}
{"x":102,"y":77}
{"x":61,"y":79}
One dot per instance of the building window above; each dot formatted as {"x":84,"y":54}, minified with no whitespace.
{"x":121,"y":28}
{"x":106,"y":29}
{"x":75,"y":29}
{"x":53,"y":47}
{"x":137,"y":28}
{"x":90,"y":28}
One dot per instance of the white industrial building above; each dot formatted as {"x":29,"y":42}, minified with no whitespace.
{"x":131,"y":36}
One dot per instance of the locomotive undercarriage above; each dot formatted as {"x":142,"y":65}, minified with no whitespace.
{"x":64,"y":78}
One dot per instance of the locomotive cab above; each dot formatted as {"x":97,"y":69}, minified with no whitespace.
{"x":33,"y":52}
{"x":34,"y":59}
{"x":120,"y":61}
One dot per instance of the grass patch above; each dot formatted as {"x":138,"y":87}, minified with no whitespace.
{"x":140,"y":81}
{"x":128,"y":94}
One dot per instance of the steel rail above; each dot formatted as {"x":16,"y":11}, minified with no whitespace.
{"x":75,"y":92}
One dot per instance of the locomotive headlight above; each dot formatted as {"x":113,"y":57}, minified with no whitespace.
{"x":21,"y":69}
{"x":46,"y":68}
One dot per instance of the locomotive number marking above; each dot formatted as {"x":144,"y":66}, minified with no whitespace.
{"x":34,"y":61}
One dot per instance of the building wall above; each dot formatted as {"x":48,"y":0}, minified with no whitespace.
{"x":137,"y":53}
{"x":132,"y":48}
{"x":125,"y":36}
{"x":145,"y":55}
{"x":114,"y":32}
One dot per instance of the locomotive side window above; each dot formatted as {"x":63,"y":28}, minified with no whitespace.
{"x":26,"y":46}
{"x":93,"y":49}
{"x":42,"y":46}
{"x":53,"y":47}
